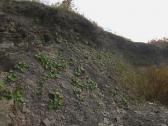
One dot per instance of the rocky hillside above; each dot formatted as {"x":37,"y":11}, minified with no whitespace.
{"x":59,"y":69}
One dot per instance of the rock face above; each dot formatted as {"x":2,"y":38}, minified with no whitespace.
{"x":59,"y":69}
{"x":5,"y":107}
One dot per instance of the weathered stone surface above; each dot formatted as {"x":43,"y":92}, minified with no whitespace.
{"x":4,"y":111}
{"x":48,"y":122}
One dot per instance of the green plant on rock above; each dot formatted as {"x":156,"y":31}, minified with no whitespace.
{"x":79,"y":71}
{"x":5,"y":93}
{"x":91,"y":85}
{"x":125,"y":100}
{"x":77,"y":83}
{"x":11,"y":76}
{"x":44,"y":60}
{"x":15,"y":95}
{"x":2,"y":84}
{"x":52,"y":75}
{"x":50,"y":65}
{"x":21,"y":66}
{"x":78,"y":92}
{"x":18,"y":96}
{"x":41,"y":83}
{"x":56,"y":100}
{"x":40,"y":87}
{"x":61,"y":66}
{"x":80,"y":86}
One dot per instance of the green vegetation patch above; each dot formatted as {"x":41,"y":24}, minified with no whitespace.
{"x":2,"y":84}
{"x":11,"y":76}
{"x":21,"y":66}
{"x":77,"y":83}
{"x":91,"y":85}
{"x":78,"y":93}
{"x":56,"y":100}
{"x":18,"y":96}
{"x":82,"y":84}
{"x":41,"y":83}
{"x":50,"y":65}
{"x":79,"y":71}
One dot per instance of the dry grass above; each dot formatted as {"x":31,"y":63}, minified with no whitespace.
{"x":158,"y":84}
{"x":151,"y":84}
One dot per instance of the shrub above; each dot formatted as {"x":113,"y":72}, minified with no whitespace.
{"x":151,"y":84}
{"x":158,"y":41}
{"x":134,"y":83}
{"x":158,"y":83}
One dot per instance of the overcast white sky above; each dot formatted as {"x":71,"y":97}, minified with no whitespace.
{"x":139,"y":20}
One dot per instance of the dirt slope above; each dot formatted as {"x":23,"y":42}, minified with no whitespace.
{"x":59,"y":69}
